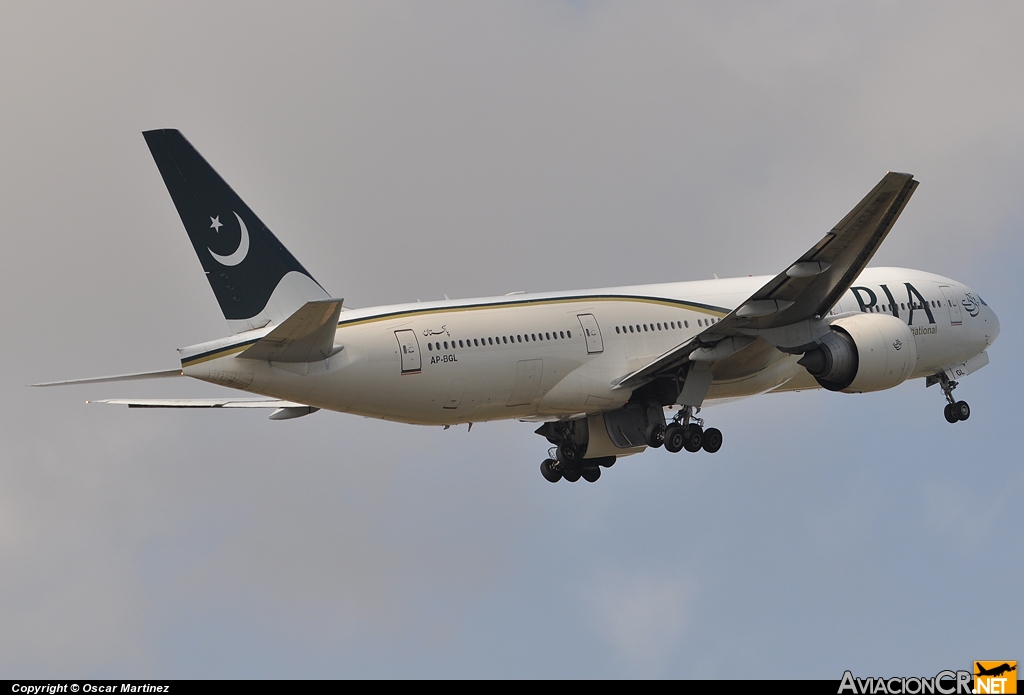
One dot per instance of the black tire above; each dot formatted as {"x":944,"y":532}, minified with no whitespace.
{"x":552,"y":475}
{"x":591,"y":474}
{"x":571,"y":475}
{"x":568,"y":453}
{"x":962,"y":410}
{"x":951,"y":417}
{"x":693,"y":438}
{"x":655,"y":435}
{"x":674,"y":438}
{"x":712,"y":440}
{"x":604,"y":461}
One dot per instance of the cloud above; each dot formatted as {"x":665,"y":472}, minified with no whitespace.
{"x":641,"y":616}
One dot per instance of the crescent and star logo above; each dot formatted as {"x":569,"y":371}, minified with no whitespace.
{"x":240,"y":253}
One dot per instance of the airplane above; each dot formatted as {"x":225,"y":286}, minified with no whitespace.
{"x":605,"y":373}
{"x":995,"y":671}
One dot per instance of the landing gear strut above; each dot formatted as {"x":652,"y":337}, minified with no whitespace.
{"x":955,"y":410}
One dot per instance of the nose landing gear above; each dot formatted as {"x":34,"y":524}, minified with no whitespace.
{"x":955,"y":411}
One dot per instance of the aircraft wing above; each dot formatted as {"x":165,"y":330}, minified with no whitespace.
{"x":807,"y":289}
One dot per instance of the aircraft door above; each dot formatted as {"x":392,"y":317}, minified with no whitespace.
{"x":455,"y":394}
{"x":592,"y":332}
{"x":954,"y":307}
{"x":410,"y":349}
{"x":528,"y":376}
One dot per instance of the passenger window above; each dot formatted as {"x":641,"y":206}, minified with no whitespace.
{"x":561,"y":334}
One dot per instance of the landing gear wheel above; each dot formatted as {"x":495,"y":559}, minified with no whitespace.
{"x":962,"y":410}
{"x":655,"y":435}
{"x":571,"y":475}
{"x":951,"y":417}
{"x":552,"y":475}
{"x":568,"y":453}
{"x":591,"y":474}
{"x":693,"y":438}
{"x":674,"y":438}
{"x":712,"y":440}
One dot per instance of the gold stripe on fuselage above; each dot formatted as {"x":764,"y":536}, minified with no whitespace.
{"x":675,"y":303}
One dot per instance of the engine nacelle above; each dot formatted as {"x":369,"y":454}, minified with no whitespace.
{"x":866,"y":352}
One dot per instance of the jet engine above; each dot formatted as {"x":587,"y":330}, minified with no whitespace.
{"x":866,"y":352}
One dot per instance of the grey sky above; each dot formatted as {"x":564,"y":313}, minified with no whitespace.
{"x":404,"y":151}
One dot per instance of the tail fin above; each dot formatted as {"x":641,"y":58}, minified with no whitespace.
{"x":256,"y":280}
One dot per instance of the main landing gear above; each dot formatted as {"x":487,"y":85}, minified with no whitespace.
{"x":558,"y":465}
{"x":686,"y":431}
{"x":955,"y":410}
{"x":566,"y":458}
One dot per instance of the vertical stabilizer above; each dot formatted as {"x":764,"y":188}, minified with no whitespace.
{"x":256,"y":280}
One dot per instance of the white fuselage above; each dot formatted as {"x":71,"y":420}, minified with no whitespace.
{"x":559,"y":354}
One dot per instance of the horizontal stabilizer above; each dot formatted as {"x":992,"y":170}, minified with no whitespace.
{"x":119,"y":377}
{"x":305,"y":336}
{"x":199,"y":403}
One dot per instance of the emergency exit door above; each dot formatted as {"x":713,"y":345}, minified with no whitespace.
{"x":955,"y":318}
{"x":592,"y":332}
{"x":409,"y":348}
